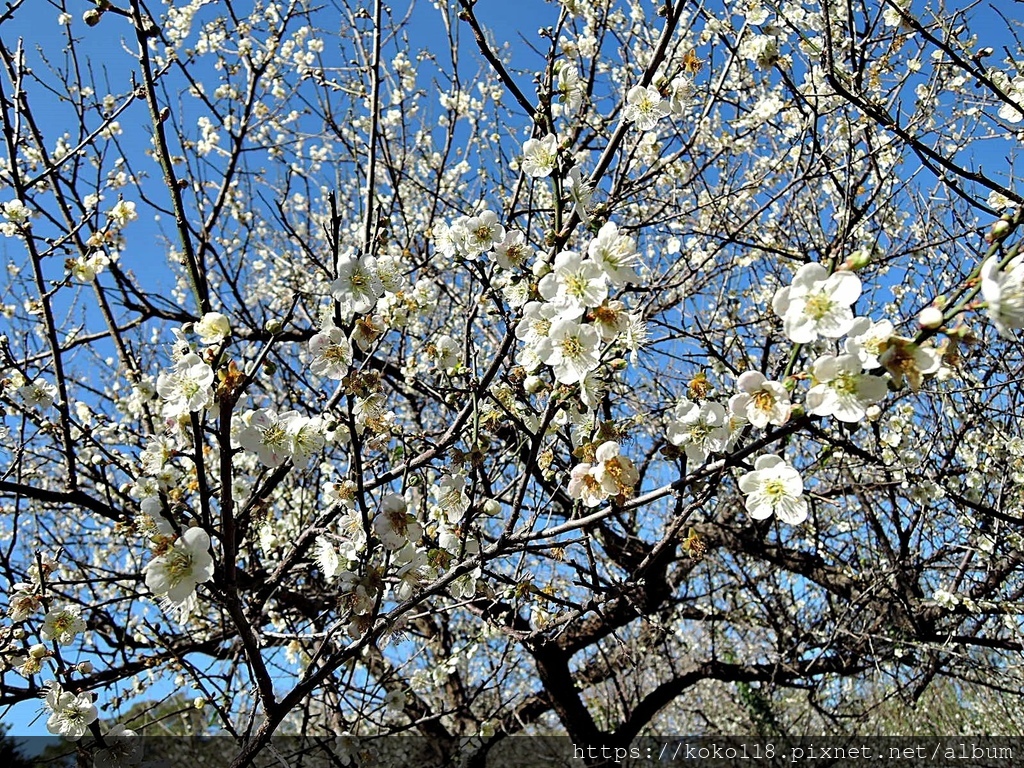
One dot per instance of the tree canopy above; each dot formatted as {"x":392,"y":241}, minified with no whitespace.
{"x":599,"y":369}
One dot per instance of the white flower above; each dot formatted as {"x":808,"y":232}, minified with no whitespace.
{"x":23,"y":602}
{"x":584,"y":485}
{"x":570,"y":88}
{"x":616,"y":473}
{"x":305,"y":436}
{"x":483,"y":233}
{"x":70,"y":715}
{"x":574,"y":284}
{"x":817,"y":304}
{"x":38,"y":394}
{"x":62,"y":624}
{"x":681,"y":90}
{"x":615,"y":254}
{"x":571,"y":349}
{"x":123,"y":212}
{"x":327,"y":559}
{"x":395,"y":526}
{"x":178,"y":571}
{"x":188,"y":388}
{"x":332,"y":353}
{"x":539,"y":156}
{"x":611,"y":319}
{"x":266,"y":435}
{"x":213,"y":328}
{"x":358,"y":287}
{"x":1004,"y":294}
{"x":904,"y":359}
{"x":450,"y":497}
{"x":580,"y":191}
{"x":760,"y":401}
{"x":644,"y":107}
{"x":513,"y":252}
{"x":776,"y":488}
{"x":450,"y":239}
{"x":841,"y":390}
{"x":867,"y":340}
{"x":699,"y":429}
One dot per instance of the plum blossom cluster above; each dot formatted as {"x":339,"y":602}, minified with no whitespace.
{"x":574,"y":321}
{"x":646,"y":105}
{"x":468,"y":237}
{"x":817,"y":306}
{"x":70,"y":714}
{"x":275,"y":438}
{"x":416,"y":548}
{"x":609,"y":475}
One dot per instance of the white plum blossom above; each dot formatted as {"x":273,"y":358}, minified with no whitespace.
{"x":615,"y":254}
{"x":38,"y":394}
{"x":817,"y":304}
{"x":644,"y":107}
{"x":681,"y":91}
{"x":331,"y":352}
{"x":574,"y":284}
{"x":266,"y":435}
{"x":616,"y":473}
{"x":580,"y":191}
{"x":61,"y":625}
{"x":394,"y":525}
{"x":513,"y":251}
{"x":584,"y":485}
{"x":699,"y":429}
{"x":760,"y":401}
{"x":572,"y":349}
{"x":188,"y":388}
{"x":123,"y":212}
{"x":305,"y":436}
{"x":451,"y":500}
{"x":1003,"y":290}
{"x":867,"y":340}
{"x":774,"y":488}
{"x":570,"y":88}
{"x":539,"y":156}
{"x":123,"y":749}
{"x":357,"y":286}
{"x":841,"y":390}
{"x":181,"y":568}
{"x":70,"y":715}
{"x":483,"y":233}
{"x":213,"y":328}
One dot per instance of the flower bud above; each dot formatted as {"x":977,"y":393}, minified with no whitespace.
{"x":998,"y":231}
{"x":38,"y":651}
{"x":273,"y":326}
{"x":199,"y":702}
{"x":873,"y":412}
{"x":92,"y":17}
{"x":84,"y":667}
{"x":533,"y":384}
{"x":491,"y":507}
{"x":930,"y":318}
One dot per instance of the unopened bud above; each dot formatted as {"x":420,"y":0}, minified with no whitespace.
{"x":199,"y":702}
{"x":857,"y":260}
{"x":931,"y":318}
{"x":533,"y":384}
{"x":38,"y":651}
{"x":84,"y":667}
{"x":873,"y":412}
{"x":92,"y":17}
{"x":998,"y":231}
{"x":273,"y":326}
{"x":491,"y":506}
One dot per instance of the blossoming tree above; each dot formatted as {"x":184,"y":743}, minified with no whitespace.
{"x":367,"y":372}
